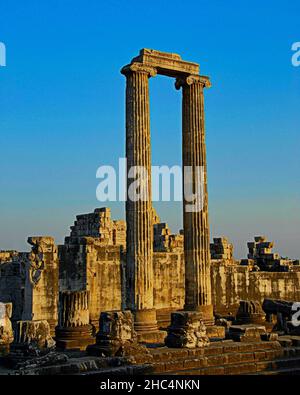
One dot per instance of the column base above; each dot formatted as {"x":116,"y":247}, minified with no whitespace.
{"x":145,"y":325}
{"x":74,"y":338}
{"x":187,"y":330}
{"x":207,"y":312}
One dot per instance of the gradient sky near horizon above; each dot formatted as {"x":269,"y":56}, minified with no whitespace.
{"x":62,"y":111}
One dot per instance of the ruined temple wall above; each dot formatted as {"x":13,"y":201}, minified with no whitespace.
{"x":101,"y":271}
{"x":90,"y":266}
{"x":72,"y":267}
{"x":104,"y":280}
{"x":12,"y":287}
{"x":231,"y":283}
{"x":168,"y":280}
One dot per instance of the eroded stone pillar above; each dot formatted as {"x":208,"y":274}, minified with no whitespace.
{"x":195,"y":220}
{"x":139,"y":265}
{"x":74,"y":330}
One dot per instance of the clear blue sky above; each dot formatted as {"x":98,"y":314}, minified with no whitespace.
{"x":62,"y":110}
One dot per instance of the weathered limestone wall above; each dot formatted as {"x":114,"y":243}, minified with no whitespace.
{"x":92,"y":267}
{"x":12,"y":286}
{"x":30,"y":282}
{"x":100,"y":270}
{"x":168,"y":280}
{"x":105,"y":279}
{"x":231,"y":283}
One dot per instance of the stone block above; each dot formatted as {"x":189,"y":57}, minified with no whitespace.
{"x":232,"y":358}
{"x":259,"y":355}
{"x":269,"y":336}
{"x":159,"y":367}
{"x":246,"y":333}
{"x":213,"y":371}
{"x":216,"y":360}
{"x":216,"y":332}
{"x":117,"y":336}
{"x":240,"y":369}
{"x":174,"y":365}
{"x":193,"y":363}
{"x":247,"y":357}
{"x":250,"y":312}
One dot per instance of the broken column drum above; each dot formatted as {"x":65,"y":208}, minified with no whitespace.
{"x":74,"y":330}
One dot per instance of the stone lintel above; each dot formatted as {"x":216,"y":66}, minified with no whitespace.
{"x":168,"y":64}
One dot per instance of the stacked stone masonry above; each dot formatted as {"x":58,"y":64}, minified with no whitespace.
{"x":262,"y":257}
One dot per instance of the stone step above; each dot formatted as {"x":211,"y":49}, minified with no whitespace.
{"x":286,"y":371}
{"x":165,"y":354}
{"x":242,"y":368}
{"x":211,"y":367}
{"x":77,"y":366}
{"x":220,"y":360}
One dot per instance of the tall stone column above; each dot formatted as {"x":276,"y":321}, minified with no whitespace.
{"x":195,"y":219}
{"x":139,"y":242}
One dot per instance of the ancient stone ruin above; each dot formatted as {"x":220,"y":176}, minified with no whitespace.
{"x":262,"y":257}
{"x":131,"y":296}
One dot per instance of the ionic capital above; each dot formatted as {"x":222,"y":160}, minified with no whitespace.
{"x":137,"y":67}
{"x":193,"y":79}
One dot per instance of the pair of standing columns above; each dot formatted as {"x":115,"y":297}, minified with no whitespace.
{"x":139,"y":267}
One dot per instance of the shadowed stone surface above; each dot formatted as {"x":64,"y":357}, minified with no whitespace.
{"x":250,"y":312}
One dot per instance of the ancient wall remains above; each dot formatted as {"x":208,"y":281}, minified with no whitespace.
{"x":231,"y":283}
{"x":262,"y":257}
{"x":88,"y":265}
{"x":12,"y":284}
{"x":30,"y":282}
{"x":99,"y":225}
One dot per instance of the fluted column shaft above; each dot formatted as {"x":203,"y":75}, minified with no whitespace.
{"x":195,"y":223}
{"x":74,"y":309}
{"x":139,"y":268}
